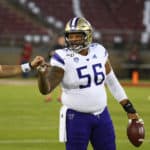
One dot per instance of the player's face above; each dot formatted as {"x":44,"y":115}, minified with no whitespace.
{"x":76,"y":38}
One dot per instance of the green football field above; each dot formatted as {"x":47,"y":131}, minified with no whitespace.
{"x":27,"y":122}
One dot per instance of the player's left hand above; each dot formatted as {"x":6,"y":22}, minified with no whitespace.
{"x":136,"y":117}
{"x":133,"y":116}
{"x":37,"y":61}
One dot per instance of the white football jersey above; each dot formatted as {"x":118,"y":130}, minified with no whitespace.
{"x":83,"y":82}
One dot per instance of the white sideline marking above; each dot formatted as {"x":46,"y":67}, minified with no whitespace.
{"x":45,"y":141}
{"x":27,"y":141}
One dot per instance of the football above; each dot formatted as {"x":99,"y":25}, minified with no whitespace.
{"x":136,"y":132}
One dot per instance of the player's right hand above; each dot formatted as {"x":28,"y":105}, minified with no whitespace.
{"x":43,"y":68}
{"x":37,"y":61}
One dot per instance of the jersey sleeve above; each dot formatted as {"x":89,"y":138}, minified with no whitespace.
{"x":58,"y":60}
{"x":103,"y":52}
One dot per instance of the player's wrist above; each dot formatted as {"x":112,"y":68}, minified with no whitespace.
{"x":31,"y":66}
{"x":26,"y":67}
{"x":129,"y":108}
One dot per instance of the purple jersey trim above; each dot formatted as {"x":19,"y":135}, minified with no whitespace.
{"x":58,"y":58}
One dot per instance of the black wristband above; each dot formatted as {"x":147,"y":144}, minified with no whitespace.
{"x":31,"y":66}
{"x":128,"y":107}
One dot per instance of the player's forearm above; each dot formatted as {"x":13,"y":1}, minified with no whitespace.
{"x":43,"y":83}
{"x":13,"y":70}
{"x":48,"y":79}
{"x":115,"y":87}
{"x":10,"y":70}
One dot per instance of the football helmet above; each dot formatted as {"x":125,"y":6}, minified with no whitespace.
{"x":82,"y":27}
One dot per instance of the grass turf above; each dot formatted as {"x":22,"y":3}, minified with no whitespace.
{"x":27,"y":122}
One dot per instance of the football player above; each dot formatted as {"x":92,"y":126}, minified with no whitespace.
{"x":13,"y":70}
{"x":83,"y":69}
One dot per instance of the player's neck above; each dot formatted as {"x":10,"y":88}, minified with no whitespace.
{"x":84,"y":52}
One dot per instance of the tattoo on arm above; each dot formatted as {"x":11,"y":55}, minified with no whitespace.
{"x":55,"y":76}
{"x":49,"y":80}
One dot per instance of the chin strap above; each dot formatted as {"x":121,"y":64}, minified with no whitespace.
{"x":79,"y":49}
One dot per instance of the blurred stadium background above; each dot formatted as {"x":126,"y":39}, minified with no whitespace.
{"x":118,"y":25}
{"x":26,"y":121}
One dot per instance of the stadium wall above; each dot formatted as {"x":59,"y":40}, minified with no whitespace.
{"x":11,"y":55}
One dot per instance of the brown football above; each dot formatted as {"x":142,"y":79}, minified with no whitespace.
{"x":136,"y":132}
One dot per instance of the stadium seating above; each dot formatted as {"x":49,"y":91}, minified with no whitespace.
{"x":59,"y":9}
{"x":116,"y":17}
{"x":14,"y":23}
{"x":17,"y":25}
{"x":111,"y":18}
{"x":120,"y":14}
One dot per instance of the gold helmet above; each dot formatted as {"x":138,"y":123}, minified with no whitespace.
{"x":78,"y":25}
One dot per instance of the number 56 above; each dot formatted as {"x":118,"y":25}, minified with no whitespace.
{"x":98,"y":75}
